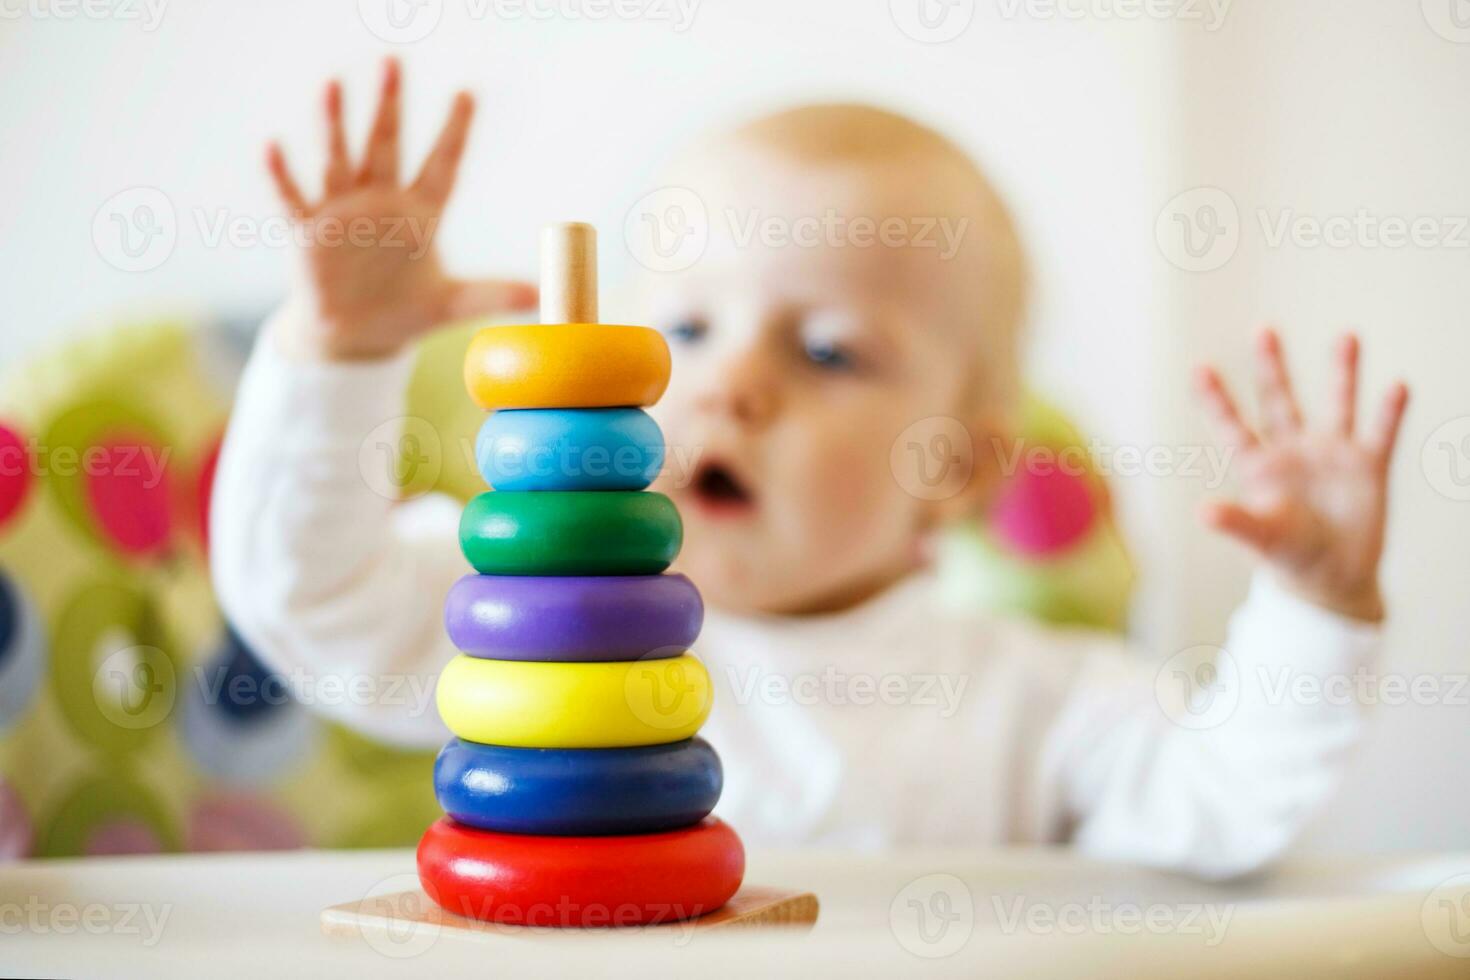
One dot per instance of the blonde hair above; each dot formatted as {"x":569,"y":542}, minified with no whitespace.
{"x":851,"y":134}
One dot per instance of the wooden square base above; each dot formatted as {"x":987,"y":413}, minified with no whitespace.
{"x":403,"y":915}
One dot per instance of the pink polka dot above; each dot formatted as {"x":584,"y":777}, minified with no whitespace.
{"x":204,"y":488}
{"x":129,"y":494}
{"x":15,"y":473}
{"x":1042,"y":512}
{"x":16,"y":832}
{"x":242,"y":823}
{"x":123,"y":837}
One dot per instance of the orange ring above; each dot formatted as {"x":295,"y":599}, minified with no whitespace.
{"x":566,"y":365}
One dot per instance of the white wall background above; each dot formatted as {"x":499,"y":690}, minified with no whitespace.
{"x":1089,"y":123}
{"x":1325,"y":110}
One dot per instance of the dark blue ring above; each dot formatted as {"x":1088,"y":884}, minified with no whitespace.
{"x":578,"y":792}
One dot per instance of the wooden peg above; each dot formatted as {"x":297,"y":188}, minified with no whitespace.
{"x":569,"y":273}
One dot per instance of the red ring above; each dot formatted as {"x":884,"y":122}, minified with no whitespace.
{"x":638,"y":879}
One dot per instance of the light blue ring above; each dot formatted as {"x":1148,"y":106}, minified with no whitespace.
{"x":569,"y":449}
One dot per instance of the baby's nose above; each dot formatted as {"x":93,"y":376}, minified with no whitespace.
{"x":745,"y":390}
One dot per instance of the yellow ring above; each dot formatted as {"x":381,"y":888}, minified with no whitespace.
{"x":554,"y":705}
{"x":566,"y":365}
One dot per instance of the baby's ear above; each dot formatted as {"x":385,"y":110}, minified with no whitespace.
{"x":984,"y":450}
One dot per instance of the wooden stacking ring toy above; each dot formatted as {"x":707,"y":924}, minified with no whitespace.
{"x":519,"y":879}
{"x":566,"y":365}
{"x":574,"y":706}
{"x":576,"y":618}
{"x":557,"y":533}
{"x":578,"y":791}
{"x":581,"y":449}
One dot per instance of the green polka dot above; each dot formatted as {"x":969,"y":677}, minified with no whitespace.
{"x":1042,"y":424}
{"x":113,"y":674}
{"x":99,"y":799}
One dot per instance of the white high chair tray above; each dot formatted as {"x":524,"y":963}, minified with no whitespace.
{"x":1014,"y":913}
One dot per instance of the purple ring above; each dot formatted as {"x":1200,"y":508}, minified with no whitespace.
{"x":573,"y":618}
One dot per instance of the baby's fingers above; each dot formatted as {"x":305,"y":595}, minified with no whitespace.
{"x":436,"y":177}
{"x":1347,"y":385}
{"x":380,"y":162}
{"x":1254,"y":531}
{"x":1390,"y":417}
{"x":1279,"y":412}
{"x":286,"y":186}
{"x":487,"y":297}
{"x":339,"y":165}
{"x":1223,"y":411}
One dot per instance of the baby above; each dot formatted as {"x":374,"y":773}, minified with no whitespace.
{"x":852,"y":708}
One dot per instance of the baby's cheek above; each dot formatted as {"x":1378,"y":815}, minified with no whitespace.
{"x":845,"y":483}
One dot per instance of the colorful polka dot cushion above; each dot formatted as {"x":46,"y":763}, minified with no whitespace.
{"x":133,"y":719}
{"x":1050,"y":549}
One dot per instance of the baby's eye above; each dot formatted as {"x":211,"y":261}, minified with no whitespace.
{"x":829,"y":354}
{"x":688,"y":331}
{"x":826,"y":339}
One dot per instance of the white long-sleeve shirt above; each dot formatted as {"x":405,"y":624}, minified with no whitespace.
{"x":899,"y":722}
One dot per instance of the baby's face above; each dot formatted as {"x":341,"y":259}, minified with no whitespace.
{"x":796,"y":367}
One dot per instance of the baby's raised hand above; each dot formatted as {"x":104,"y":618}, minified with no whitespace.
{"x":374,"y":281}
{"x":1313,"y":500}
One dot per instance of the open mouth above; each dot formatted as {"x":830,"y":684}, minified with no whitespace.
{"x":718,"y":491}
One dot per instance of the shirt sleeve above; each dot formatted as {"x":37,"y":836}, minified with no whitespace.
{"x":1214,"y":759}
{"x":334,"y":582}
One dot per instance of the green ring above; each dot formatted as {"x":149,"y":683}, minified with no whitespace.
{"x":568,"y":533}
